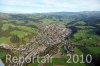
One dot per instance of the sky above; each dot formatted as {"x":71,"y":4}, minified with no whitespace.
{"x":40,"y":6}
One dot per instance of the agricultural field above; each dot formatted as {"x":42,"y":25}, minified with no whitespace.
{"x":22,"y":29}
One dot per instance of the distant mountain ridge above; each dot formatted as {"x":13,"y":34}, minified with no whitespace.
{"x":88,"y":16}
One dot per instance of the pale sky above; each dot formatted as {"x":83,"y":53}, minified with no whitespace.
{"x":39,"y":6}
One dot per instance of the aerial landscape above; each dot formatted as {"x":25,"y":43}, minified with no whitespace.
{"x":49,"y":33}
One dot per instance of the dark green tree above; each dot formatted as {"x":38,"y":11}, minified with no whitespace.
{"x":15,"y":39}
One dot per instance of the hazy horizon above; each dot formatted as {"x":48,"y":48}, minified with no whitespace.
{"x":45,"y":6}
